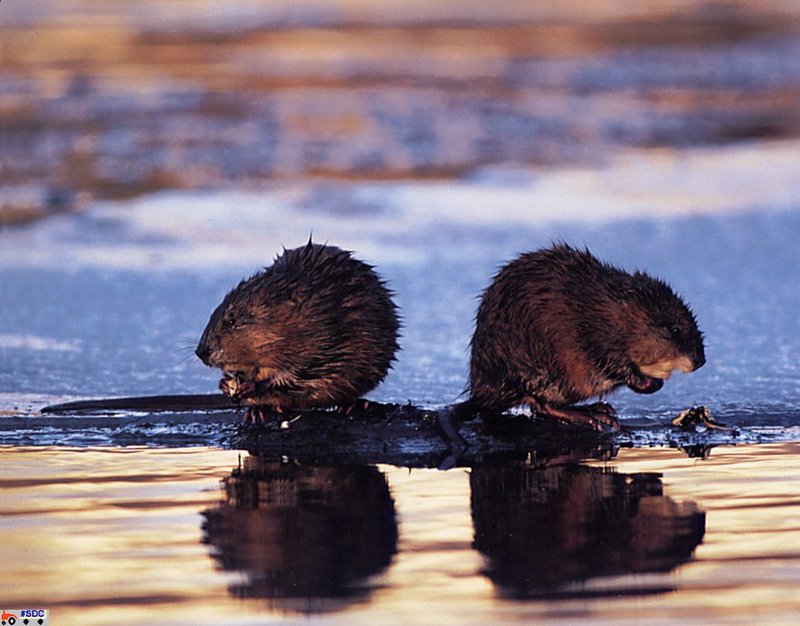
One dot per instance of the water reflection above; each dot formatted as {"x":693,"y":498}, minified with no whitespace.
{"x":543,"y":528}
{"x":305,"y":537}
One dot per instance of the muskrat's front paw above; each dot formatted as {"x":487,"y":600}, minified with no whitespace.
{"x":641,"y":383}
{"x":229,"y":384}
{"x":235,"y":387}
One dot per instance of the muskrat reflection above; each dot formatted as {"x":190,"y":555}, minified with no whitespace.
{"x":303,"y":533}
{"x":544,"y":528}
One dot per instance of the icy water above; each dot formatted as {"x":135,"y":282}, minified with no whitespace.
{"x":111,"y":303}
{"x":174,"y":152}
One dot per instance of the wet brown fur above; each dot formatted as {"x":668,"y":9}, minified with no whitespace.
{"x":316,"y":329}
{"x":557,"y":326}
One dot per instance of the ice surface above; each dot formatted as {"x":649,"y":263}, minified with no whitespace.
{"x":112,"y":301}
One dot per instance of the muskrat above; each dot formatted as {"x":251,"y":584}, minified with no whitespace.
{"x":316,"y":329}
{"x":557,"y":326}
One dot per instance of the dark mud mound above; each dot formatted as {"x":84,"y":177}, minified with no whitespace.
{"x":402,"y":435}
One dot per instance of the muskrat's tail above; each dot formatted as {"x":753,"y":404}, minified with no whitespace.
{"x":463,"y":411}
{"x":450,"y":417}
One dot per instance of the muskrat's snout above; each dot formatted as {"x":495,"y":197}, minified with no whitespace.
{"x":695,"y":350}
{"x":203,"y":352}
{"x":698,"y":357}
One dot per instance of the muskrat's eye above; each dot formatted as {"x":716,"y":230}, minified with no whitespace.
{"x":229,"y":323}
{"x":675,"y":331}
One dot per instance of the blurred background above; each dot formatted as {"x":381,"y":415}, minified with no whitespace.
{"x":112,"y":99}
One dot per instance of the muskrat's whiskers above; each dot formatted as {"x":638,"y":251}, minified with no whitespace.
{"x":186,"y":352}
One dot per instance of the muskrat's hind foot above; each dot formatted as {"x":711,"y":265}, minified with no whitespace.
{"x":259,"y":414}
{"x":253,"y":415}
{"x":596,"y":415}
{"x":354,"y":408}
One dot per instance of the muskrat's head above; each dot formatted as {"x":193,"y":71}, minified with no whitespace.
{"x":663,"y":334}
{"x":244,"y":332}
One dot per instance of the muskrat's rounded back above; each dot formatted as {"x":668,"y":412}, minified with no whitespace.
{"x":318,"y":328}
{"x":557,"y":326}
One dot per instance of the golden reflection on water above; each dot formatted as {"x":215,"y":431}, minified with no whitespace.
{"x":196,"y":536}
{"x":305,"y":537}
{"x":108,"y":536}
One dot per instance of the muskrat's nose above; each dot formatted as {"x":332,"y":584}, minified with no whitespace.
{"x":699,"y":358}
{"x":203,"y":352}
